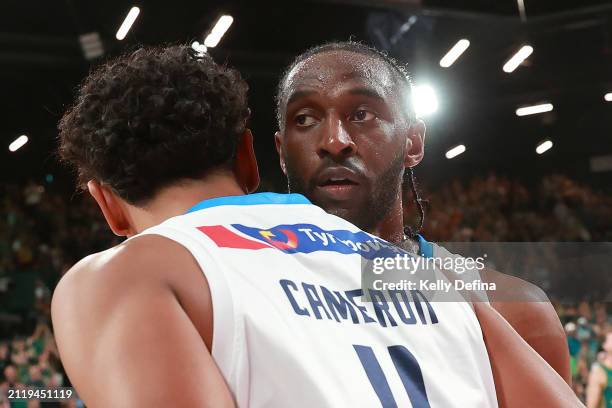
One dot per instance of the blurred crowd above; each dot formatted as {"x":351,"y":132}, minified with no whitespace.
{"x":31,"y":362}
{"x":494,"y":208}
{"x":44,"y":232}
{"x":586,"y":326}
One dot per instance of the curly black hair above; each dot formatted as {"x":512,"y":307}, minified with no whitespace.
{"x":154,"y":117}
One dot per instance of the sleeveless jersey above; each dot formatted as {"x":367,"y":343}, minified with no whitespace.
{"x":607,"y":392}
{"x":291,"y":329}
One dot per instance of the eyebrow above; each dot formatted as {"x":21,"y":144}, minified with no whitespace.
{"x":299,"y":94}
{"x":367,"y":92}
{"x":356,"y":91}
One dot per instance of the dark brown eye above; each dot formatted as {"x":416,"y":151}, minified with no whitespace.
{"x":362,"y":115}
{"x":304,"y":120}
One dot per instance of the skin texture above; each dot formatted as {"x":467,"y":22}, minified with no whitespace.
{"x":532,"y":315}
{"x":134,"y":324}
{"x":527,"y":381}
{"x":336,"y":118}
{"x":598,"y":379}
{"x":330,"y":121}
{"x":129,"y":319}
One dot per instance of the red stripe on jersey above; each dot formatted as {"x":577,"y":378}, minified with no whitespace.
{"x":225,"y":238}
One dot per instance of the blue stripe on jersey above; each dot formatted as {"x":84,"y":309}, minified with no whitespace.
{"x":251,"y":199}
{"x":426,"y":248}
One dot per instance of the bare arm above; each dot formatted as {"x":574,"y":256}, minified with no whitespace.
{"x":528,"y":310}
{"x":124,"y":338}
{"x":595,"y":386}
{"x":522,"y":377}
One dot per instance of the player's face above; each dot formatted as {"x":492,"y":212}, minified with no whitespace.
{"x":345,"y":135}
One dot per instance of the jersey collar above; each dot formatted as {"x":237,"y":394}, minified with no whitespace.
{"x":251,"y":199}
{"x":426,"y":248}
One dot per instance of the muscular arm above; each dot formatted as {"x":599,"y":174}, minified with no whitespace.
{"x":125,"y":339}
{"x":595,"y":386}
{"x":522,"y":377}
{"x":528,"y":310}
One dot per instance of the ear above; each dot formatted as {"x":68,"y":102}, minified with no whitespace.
{"x":245,"y":165}
{"x":415,"y":144}
{"x":112,"y":209}
{"x":278,"y":141}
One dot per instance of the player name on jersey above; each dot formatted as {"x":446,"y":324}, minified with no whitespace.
{"x":319,"y":302}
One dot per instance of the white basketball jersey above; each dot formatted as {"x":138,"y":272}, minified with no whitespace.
{"x":290,"y":327}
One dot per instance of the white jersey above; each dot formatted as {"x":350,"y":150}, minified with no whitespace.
{"x":291,"y":330}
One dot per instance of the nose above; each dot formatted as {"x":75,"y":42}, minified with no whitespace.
{"x":336,"y":142}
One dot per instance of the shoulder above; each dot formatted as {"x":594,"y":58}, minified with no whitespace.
{"x":513,"y":289}
{"x":598,"y":374}
{"x":128,"y":303}
{"x":522,"y":303}
{"x":102,"y":278}
{"x":527,"y":308}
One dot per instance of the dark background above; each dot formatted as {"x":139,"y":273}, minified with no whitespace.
{"x":41,"y":63}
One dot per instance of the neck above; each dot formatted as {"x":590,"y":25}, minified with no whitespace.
{"x":178,"y":199}
{"x":391,"y":228}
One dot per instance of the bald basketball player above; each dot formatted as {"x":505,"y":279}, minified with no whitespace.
{"x":220,"y":298}
{"x":348,"y":139}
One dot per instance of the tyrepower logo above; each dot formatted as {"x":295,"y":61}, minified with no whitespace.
{"x":299,"y":238}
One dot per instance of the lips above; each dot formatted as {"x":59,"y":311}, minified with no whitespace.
{"x":337,"y":176}
{"x":338,"y":183}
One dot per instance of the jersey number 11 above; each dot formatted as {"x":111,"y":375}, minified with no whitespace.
{"x":409,"y":372}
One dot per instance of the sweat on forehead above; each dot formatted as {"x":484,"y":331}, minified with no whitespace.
{"x":339,"y":62}
{"x":335,"y":62}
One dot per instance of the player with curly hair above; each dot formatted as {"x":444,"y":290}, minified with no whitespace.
{"x":151,"y":133}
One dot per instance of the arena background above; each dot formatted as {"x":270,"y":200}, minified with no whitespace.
{"x":499,"y":189}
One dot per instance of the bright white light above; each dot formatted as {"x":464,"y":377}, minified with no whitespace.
{"x":532,"y":110}
{"x":218,"y":30}
{"x":544,"y":146}
{"x":455,"y":151}
{"x":127,"y":23}
{"x":608,"y":97}
{"x":454,"y":53}
{"x":518,"y":58}
{"x":18,"y":143}
{"x":424,"y":100}
{"x":199,"y":48}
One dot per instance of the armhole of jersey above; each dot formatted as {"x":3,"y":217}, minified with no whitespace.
{"x":225,"y":339}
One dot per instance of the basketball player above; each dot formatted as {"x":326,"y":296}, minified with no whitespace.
{"x":219,"y":298}
{"x":348,"y":139}
{"x":599,"y":388}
